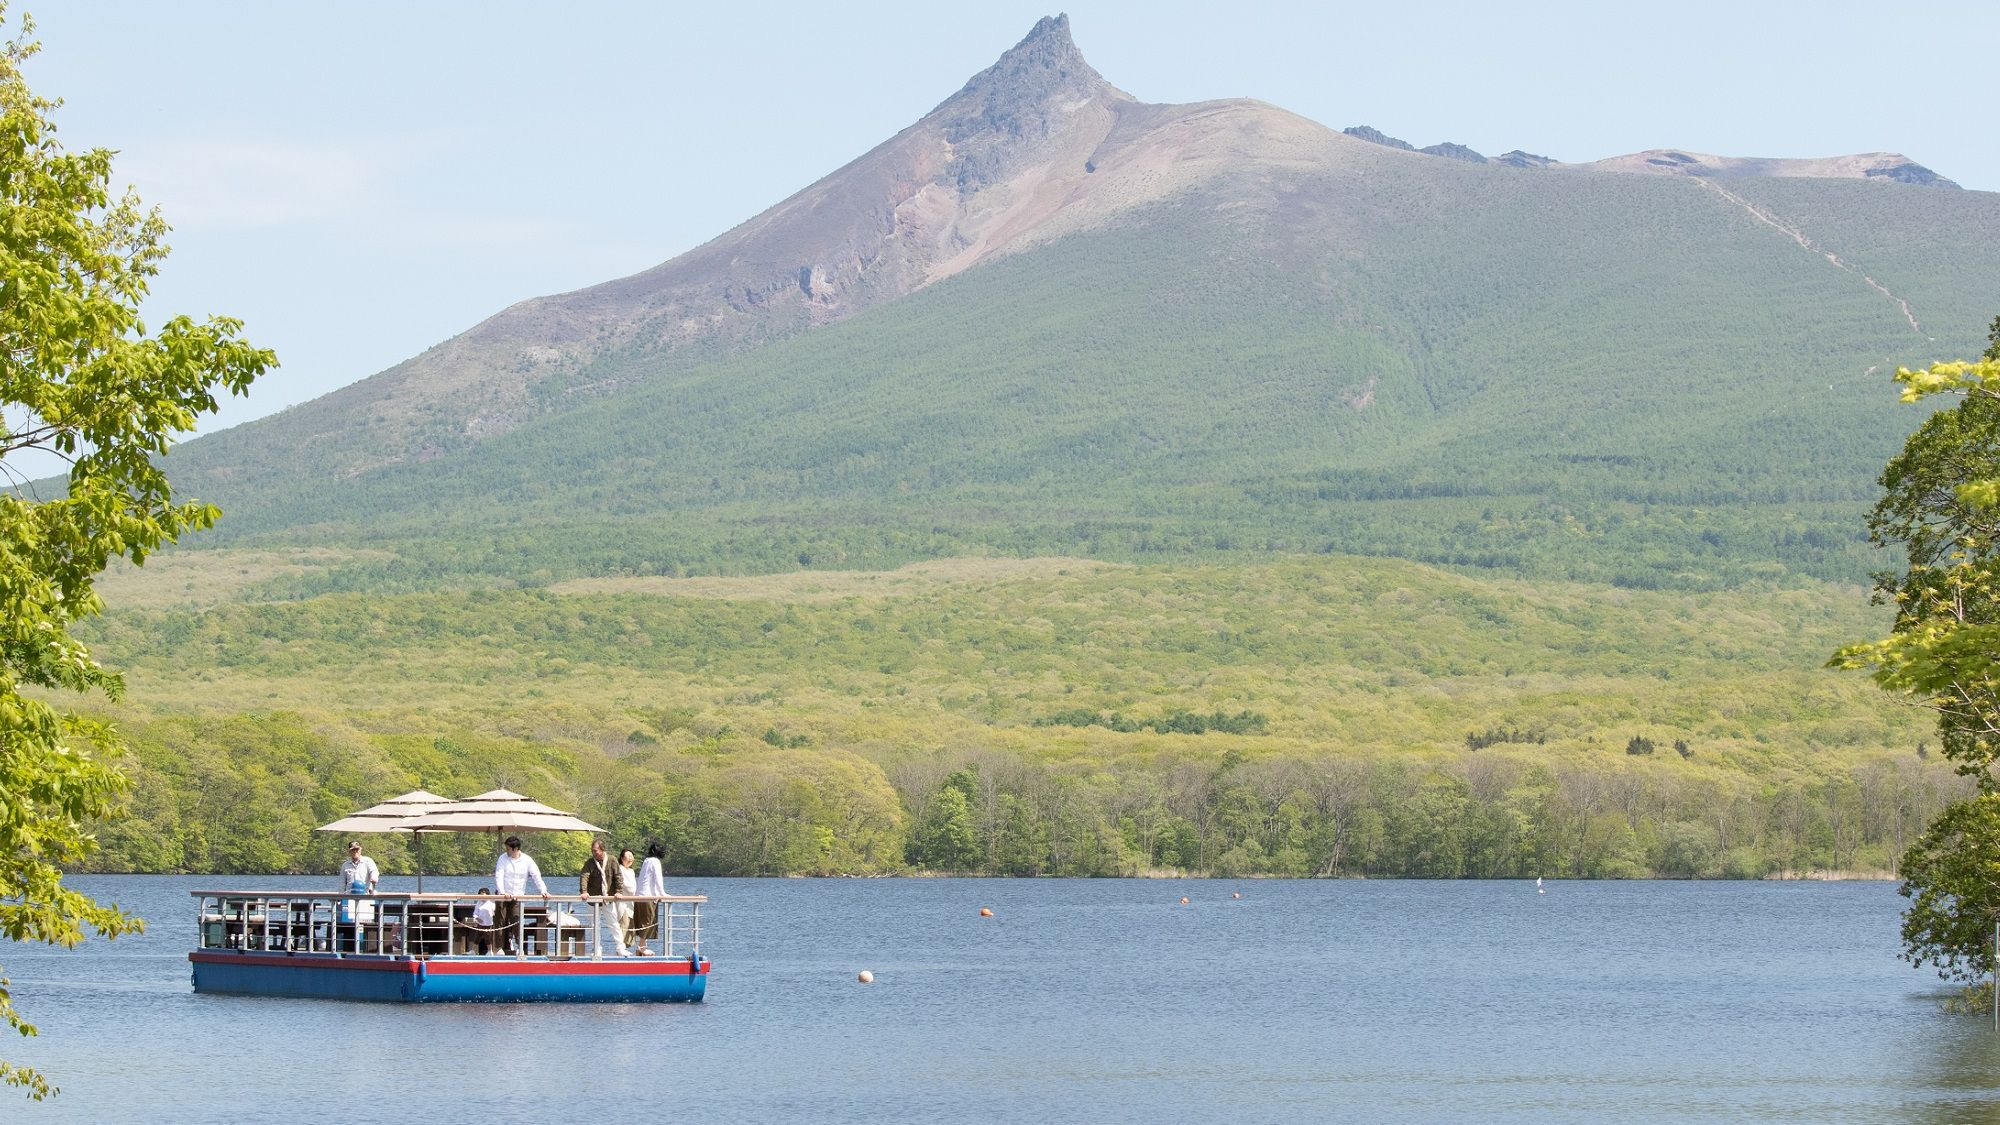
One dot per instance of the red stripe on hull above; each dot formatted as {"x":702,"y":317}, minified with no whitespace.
{"x":624,"y":966}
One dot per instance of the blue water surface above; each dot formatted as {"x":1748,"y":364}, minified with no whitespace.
{"x":1080,"y":1001}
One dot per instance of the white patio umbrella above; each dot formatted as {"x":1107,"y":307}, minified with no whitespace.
{"x":390,"y":814}
{"x":499,"y":811}
{"x":468,"y":820}
{"x":394,"y":815}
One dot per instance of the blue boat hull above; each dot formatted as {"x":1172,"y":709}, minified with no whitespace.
{"x":448,"y":979}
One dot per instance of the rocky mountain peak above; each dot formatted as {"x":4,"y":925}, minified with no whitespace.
{"x":1376,"y":136}
{"x":1022,"y":99}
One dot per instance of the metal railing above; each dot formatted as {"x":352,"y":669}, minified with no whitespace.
{"x":447,"y":925}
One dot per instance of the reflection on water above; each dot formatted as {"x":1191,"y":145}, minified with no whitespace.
{"x":1958,"y":1072}
{"x":1099,"y":1001}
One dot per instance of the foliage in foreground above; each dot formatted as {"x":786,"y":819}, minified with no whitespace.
{"x":80,"y":379}
{"x":1941,"y":502}
{"x":1952,"y":878}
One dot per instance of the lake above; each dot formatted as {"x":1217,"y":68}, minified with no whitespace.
{"x":1081,"y":1001}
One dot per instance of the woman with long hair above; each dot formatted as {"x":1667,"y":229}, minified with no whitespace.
{"x":652,"y":883}
{"x":628,"y":885}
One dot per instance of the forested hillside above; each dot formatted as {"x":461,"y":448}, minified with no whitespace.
{"x":1334,"y":716}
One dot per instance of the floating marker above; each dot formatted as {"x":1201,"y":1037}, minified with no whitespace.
{"x":986,"y":912}
{"x":1235,"y":894}
{"x":1184,"y":900}
{"x":865,"y":977}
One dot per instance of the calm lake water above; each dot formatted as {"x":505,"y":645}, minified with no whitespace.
{"x":1082,"y":1001}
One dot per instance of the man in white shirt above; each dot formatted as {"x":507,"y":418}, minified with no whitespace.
{"x":358,"y":875}
{"x":512,"y":877}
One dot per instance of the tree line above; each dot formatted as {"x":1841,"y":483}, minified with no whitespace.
{"x":244,"y":793}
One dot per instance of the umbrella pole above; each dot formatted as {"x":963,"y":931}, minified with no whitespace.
{"x":417,"y":849}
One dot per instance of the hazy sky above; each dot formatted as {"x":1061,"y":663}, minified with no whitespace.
{"x":361,"y":181}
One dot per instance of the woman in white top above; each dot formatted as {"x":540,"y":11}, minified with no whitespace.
{"x":652,"y":882}
{"x":628,"y":884}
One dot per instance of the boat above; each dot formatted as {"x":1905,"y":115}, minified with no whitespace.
{"x":421,"y":948}
{"x":361,"y":944}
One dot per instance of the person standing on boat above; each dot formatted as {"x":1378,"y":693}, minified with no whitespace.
{"x":652,"y":884}
{"x":358,"y":876}
{"x":599,"y":880}
{"x":628,"y":885}
{"x":511,"y":877}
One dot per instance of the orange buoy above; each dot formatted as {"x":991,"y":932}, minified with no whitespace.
{"x":865,"y":977}
{"x":1184,"y":900}
{"x":986,"y":912}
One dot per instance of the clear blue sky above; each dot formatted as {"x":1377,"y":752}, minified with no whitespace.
{"x":361,"y":181}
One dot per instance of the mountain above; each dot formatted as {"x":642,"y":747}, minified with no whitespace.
{"x":1049,"y":318}
{"x":1454,"y":151}
{"x":1669,"y":161}
{"x":990,"y":167}
{"x":1376,"y":136}
{"x":1868,"y":165}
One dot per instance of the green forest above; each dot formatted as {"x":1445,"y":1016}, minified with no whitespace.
{"x":1310,"y":716}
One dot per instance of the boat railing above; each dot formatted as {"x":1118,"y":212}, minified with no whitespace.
{"x":396,"y":924}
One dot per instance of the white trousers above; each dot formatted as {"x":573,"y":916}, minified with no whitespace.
{"x":606,"y":939}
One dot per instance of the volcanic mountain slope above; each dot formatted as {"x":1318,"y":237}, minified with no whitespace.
{"x":1005,"y":156}
{"x":1669,"y":161}
{"x":1049,"y":317}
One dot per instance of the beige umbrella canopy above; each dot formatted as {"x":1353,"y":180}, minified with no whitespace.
{"x":391,"y":815}
{"x":499,"y":811}
{"x":465,"y":820}
{"x":496,"y":811}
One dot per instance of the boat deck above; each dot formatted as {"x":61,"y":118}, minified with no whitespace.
{"x":391,"y":946}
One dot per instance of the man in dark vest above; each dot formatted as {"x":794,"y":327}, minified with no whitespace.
{"x":599,"y":880}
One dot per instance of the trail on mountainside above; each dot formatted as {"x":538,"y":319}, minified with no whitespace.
{"x":1799,"y":236}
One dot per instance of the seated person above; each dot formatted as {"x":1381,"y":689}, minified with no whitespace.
{"x":481,"y":933}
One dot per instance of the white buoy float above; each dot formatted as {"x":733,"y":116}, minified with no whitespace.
{"x":865,"y":977}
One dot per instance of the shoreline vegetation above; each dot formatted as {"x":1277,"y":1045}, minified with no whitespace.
{"x":1302,"y":716}
{"x":1143,"y":876}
